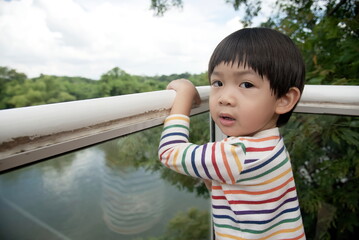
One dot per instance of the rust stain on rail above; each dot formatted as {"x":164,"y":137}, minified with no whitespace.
{"x":28,"y":143}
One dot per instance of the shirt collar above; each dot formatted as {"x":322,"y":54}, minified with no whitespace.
{"x":267,"y":132}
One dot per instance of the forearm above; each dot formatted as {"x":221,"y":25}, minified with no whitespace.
{"x":182,"y":104}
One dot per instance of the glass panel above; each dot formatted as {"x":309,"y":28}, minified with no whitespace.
{"x":114,"y":190}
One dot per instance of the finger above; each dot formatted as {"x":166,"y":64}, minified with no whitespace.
{"x":170,"y":86}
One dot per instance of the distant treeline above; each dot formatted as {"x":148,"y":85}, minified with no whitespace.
{"x":17,"y":90}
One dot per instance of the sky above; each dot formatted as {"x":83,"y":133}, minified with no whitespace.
{"x":87,"y":38}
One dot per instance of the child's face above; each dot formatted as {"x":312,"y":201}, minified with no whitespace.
{"x":241,"y":101}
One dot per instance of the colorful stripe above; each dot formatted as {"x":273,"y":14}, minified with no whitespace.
{"x":236,"y":159}
{"x":215,"y":165}
{"x":275,"y":156}
{"x":255,"y":212}
{"x":264,"y":149}
{"x":289,"y":220}
{"x":174,"y":134}
{"x":226,"y":164}
{"x":281,"y":164}
{"x":275,"y":199}
{"x":193,"y":161}
{"x":177,"y":117}
{"x":175,"y":160}
{"x":289,"y":210}
{"x":291,"y":230}
{"x":286,"y":183}
{"x":259,"y":139}
{"x":203,"y":161}
{"x":253,"y":189}
{"x":183,"y":162}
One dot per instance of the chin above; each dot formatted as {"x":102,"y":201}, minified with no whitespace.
{"x":237,"y":133}
{"x":230,"y":133}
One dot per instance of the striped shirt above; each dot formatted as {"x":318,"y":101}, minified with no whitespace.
{"x":253,"y":190}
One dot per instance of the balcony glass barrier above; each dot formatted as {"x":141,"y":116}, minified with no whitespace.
{"x":118,"y":190}
{"x":114,"y":190}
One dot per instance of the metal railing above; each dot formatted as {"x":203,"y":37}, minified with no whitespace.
{"x":33,"y":133}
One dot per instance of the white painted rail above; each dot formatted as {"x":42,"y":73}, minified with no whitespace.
{"x":33,"y":133}
{"x":329,"y":99}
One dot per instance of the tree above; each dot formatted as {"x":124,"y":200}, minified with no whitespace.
{"x":118,"y":82}
{"x":323,"y":148}
{"x":193,"y":224}
{"x":328,"y":37}
{"x":161,"y":6}
{"x":251,"y":7}
{"x":190,"y":225}
{"x":8,"y":78}
{"x":19,"y":91}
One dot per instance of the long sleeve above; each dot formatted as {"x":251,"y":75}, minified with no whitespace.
{"x":218,"y":161}
{"x":253,"y":189}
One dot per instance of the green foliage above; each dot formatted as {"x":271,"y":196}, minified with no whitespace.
{"x":193,"y":224}
{"x":19,"y":91}
{"x":161,"y":6}
{"x":327,"y":34}
{"x":324,"y":155}
{"x":251,"y":7}
{"x":8,"y":77}
{"x":324,"y":149}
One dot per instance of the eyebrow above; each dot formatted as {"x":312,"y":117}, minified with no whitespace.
{"x":237,"y":73}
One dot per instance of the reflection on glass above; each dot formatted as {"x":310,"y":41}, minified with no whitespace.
{"x":133,"y":198}
{"x":115,"y":190}
{"x":133,"y":201}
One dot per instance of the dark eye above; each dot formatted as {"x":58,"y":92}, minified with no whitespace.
{"x":217,"y":84}
{"x":246,"y":85}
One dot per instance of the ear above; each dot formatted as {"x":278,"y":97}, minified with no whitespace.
{"x":287,"y":102}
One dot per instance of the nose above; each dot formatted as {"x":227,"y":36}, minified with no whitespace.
{"x":226,"y":99}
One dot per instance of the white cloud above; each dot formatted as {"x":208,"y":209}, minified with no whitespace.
{"x":88,"y":37}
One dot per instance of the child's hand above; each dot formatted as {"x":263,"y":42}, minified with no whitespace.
{"x":180,"y":84}
{"x":186,"y":88}
{"x":186,"y":95}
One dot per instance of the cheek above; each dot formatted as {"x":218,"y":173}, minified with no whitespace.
{"x":257,"y":112}
{"x":212,"y":103}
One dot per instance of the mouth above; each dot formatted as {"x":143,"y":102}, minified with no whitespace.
{"x":226,"y":117}
{"x":226,"y":120}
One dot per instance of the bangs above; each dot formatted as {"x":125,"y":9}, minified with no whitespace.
{"x":243,"y":48}
{"x":268,"y":52}
{"x":235,"y":49}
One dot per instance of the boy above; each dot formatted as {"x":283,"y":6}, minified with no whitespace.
{"x":257,"y":77}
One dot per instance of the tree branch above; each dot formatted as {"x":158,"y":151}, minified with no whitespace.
{"x":331,"y":12}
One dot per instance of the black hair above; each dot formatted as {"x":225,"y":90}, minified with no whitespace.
{"x":269,"y":53}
